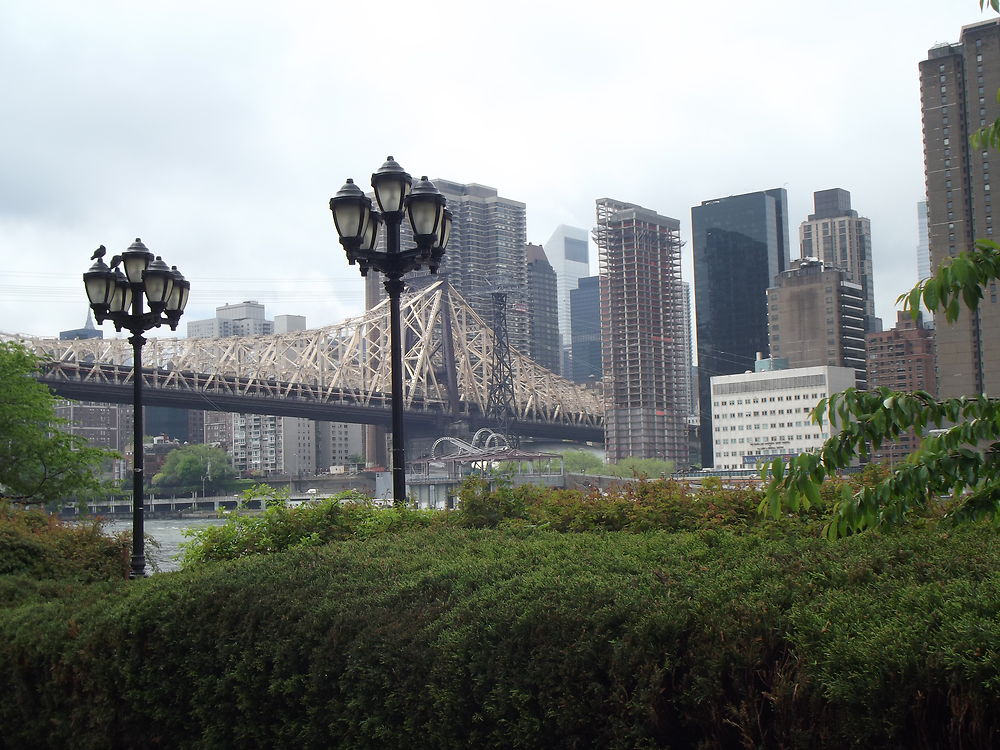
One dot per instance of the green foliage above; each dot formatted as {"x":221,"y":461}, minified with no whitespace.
{"x":582,"y":462}
{"x":279,"y":527}
{"x":39,"y":463}
{"x":36,"y":546}
{"x":445,"y":637}
{"x":186,"y":467}
{"x":956,"y":283}
{"x":956,"y":470}
{"x":633,"y":507}
{"x":641,"y":467}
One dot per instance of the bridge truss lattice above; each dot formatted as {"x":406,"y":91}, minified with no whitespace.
{"x":447,"y":358}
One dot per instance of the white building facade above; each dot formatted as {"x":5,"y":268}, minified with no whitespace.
{"x":759,"y":416}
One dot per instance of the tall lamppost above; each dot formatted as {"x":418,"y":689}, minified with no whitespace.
{"x":357,"y":223}
{"x":118,"y":297}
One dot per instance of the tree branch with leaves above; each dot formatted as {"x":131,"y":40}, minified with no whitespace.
{"x":958,"y":461}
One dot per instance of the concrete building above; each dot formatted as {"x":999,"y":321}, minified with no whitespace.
{"x":242,"y":319}
{"x":261,"y":444}
{"x":486,"y":253}
{"x":289,"y":323}
{"x":585,"y":325}
{"x":816,"y":316}
{"x":958,"y":86}
{"x":759,"y":416}
{"x":923,"y":242}
{"x":544,"y":345}
{"x":838,"y":237}
{"x":568,"y":250}
{"x":102,"y":425}
{"x":740,"y":246}
{"x":642,"y":322}
{"x":902,"y":359}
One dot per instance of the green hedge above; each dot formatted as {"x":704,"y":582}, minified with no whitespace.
{"x":445,"y":637}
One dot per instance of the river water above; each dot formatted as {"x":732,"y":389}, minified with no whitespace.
{"x":169,"y":533}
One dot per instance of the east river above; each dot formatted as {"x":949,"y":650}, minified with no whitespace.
{"x":168,"y":533}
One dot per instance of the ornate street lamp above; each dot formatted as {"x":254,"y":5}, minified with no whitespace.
{"x":118,"y":297}
{"x":357,"y":223}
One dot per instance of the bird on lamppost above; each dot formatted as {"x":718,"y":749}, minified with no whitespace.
{"x":119,"y":297}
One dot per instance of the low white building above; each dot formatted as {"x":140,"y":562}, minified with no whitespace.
{"x":758,"y":416}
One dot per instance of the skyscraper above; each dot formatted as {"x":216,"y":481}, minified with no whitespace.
{"x":958,"y":86}
{"x":585,"y":319}
{"x":837,"y":236}
{"x":816,"y":317}
{"x":486,"y":252}
{"x":569,"y":253}
{"x":642,"y":321}
{"x":543,"y":316}
{"x":740,"y":246}
{"x":902,"y":359}
{"x":923,"y":242}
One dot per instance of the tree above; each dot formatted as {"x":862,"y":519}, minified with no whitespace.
{"x":581,"y":462}
{"x":641,"y":467}
{"x":960,"y":460}
{"x":195,"y":466}
{"x":39,"y":463}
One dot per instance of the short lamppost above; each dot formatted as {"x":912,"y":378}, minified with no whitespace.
{"x":357,"y":224}
{"x":118,"y":297}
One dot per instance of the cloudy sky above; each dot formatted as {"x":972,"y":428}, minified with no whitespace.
{"x":218,"y":131}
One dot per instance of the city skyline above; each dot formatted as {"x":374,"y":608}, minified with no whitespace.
{"x":220,"y":143}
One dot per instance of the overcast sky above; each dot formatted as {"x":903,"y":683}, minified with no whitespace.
{"x":217,"y":131}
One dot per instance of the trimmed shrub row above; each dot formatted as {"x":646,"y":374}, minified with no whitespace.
{"x":446,"y":637}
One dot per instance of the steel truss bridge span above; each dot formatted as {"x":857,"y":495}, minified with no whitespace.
{"x":336,"y":373}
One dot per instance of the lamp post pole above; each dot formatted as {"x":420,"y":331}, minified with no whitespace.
{"x":118,"y":297}
{"x":357,"y":223}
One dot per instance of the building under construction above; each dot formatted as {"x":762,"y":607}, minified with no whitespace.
{"x":642,"y":333}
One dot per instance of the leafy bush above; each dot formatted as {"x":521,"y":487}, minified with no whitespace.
{"x":444,"y":637}
{"x":37,"y":545}
{"x":281,"y":527}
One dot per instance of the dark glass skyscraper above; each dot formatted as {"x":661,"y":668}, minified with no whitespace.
{"x":740,"y":246}
{"x":543,"y":311}
{"x":585,"y":319}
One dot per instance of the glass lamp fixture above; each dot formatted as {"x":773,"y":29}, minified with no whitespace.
{"x":136,"y":260}
{"x":425,"y":208}
{"x":392,"y":185}
{"x":158,"y":281}
{"x":351,"y":211}
{"x":99,"y":281}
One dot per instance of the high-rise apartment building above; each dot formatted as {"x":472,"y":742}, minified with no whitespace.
{"x":543,"y":316}
{"x":901,"y":359}
{"x":642,"y":321}
{"x":485,"y":254}
{"x":841,"y":239}
{"x":740,"y":246}
{"x":262,"y":444}
{"x":102,"y":425}
{"x":242,"y":319}
{"x":816,"y":316}
{"x":585,"y":320}
{"x":568,"y":251}
{"x":958,"y":87}
{"x":923,"y":242}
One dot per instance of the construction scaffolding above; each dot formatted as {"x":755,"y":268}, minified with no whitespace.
{"x":646,"y":371}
